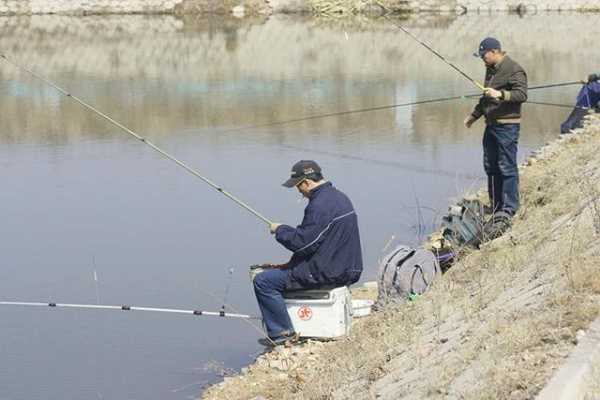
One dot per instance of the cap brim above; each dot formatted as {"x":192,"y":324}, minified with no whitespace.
{"x":290,"y":183}
{"x":478,"y":54}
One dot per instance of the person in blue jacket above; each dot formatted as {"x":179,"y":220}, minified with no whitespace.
{"x":587,"y":99}
{"x":326,"y":249}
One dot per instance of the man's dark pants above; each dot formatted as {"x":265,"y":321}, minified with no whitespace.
{"x":269,"y":286}
{"x":500,"y":163}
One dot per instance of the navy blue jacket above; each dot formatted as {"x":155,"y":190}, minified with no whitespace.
{"x":588,"y":97}
{"x":326,"y":245}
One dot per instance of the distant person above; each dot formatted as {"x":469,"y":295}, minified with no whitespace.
{"x":326,"y":247}
{"x":587,"y":99}
{"x":505,"y":91}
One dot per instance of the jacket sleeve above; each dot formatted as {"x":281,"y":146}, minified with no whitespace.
{"x":306,"y":238}
{"x":478,"y":110}
{"x":518,"y":85}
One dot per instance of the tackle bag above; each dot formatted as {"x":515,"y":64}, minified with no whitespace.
{"x":464,"y":224}
{"x":405,"y":272}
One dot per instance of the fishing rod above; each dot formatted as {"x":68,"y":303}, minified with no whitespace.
{"x":140,"y":138}
{"x":431,"y":49}
{"x":544,"y":103}
{"x":560,"y":105}
{"x":221,"y":313}
{"x":440,"y":56}
{"x":397,"y":105}
{"x":347,"y":112}
{"x":560,"y":84}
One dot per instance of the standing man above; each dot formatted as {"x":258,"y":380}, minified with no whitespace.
{"x":326,"y":249}
{"x":505,"y":91}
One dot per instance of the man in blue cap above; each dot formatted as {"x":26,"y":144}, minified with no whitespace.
{"x":505,"y":91}
{"x":326,"y":249}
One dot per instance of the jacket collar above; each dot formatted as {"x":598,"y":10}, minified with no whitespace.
{"x":499,"y":65}
{"x":316,"y":190}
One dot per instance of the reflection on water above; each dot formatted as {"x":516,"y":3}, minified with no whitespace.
{"x":79,"y":196}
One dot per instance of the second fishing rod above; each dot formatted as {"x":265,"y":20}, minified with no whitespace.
{"x":440,"y":56}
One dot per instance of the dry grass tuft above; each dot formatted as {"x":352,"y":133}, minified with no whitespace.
{"x":494,"y":327}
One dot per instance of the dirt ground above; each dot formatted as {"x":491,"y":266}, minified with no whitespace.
{"x":495,"y":326}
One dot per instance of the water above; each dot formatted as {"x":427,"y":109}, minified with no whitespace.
{"x":80,"y":196}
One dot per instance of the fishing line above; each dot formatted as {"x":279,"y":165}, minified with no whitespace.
{"x":227,"y":286}
{"x":404,"y":166}
{"x":96,"y":283}
{"x":248,"y":321}
{"x":140,"y":138}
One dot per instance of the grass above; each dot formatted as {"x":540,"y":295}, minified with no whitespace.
{"x":495,"y":326}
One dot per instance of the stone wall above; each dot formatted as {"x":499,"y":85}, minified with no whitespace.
{"x":523,"y":6}
{"x":91,"y":7}
{"x":530,"y":7}
{"x":241,"y":7}
{"x":28,"y":7}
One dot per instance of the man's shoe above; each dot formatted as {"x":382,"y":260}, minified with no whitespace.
{"x":286,"y":338}
{"x":497,"y":225}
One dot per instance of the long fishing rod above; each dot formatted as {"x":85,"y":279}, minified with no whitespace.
{"x":440,"y":56}
{"x":560,"y":84}
{"x":140,"y":138}
{"x":221,"y":313}
{"x":396,"y":105}
{"x":431,"y":49}
{"x":559,"y":105}
{"x":346,"y":112}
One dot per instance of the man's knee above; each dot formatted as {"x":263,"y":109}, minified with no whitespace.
{"x":507,"y":168}
{"x":271,"y":280}
{"x":260,"y":283}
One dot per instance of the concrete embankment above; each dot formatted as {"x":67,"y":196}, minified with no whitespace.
{"x":497,"y":325}
{"x":253,"y":7}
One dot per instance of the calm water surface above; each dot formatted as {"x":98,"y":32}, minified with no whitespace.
{"x":79,"y":196}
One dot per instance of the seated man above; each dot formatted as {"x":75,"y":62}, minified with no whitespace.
{"x":326,"y":247}
{"x":588,"y":98}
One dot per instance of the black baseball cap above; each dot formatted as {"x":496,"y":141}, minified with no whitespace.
{"x":487,"y":44}
{"x":300,"y":171}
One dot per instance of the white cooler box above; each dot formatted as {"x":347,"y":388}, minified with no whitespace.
{"x":320,"y":313}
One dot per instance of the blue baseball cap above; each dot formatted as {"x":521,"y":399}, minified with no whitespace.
{"x":487,"y":44}
{"x":302,"y":170}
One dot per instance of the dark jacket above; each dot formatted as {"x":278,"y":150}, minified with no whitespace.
{"x":510,"y":78}
{"x":588,"y":98}
{"x":326,"y":245}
